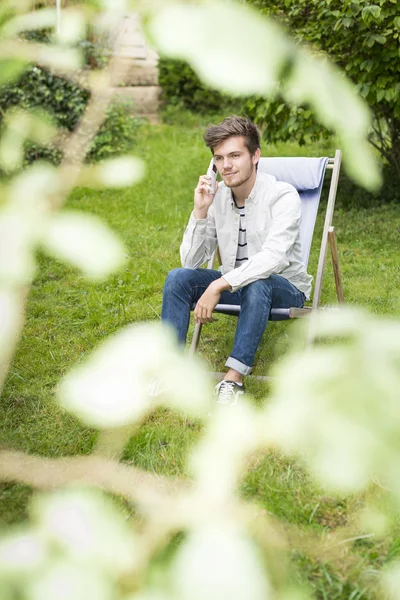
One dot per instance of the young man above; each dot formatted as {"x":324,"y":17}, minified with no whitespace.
{"x":255,"y":220}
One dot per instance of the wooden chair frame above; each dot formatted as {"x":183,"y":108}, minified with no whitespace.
{"x":328,"y":238}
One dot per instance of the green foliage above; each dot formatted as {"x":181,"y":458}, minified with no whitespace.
{"x":118,"y":133}
{"x":66,"y":102}
{"x":182,"y":87}
{"x":38,"y":87}
{"x":96,"y":49}
{"x":282,"y":122}
{"x":334,"y":27}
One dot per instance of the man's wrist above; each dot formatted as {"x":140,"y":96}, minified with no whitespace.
{"x":199,"y":214}
{"x":220,"y":285}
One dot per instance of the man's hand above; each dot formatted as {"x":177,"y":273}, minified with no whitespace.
{"x":209,"y":300}
{"x":202,"y":199}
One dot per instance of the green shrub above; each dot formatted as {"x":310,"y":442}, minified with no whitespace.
{"x":38,"y":87}
{"x":66,"y":102}
{"x":35,"y":152}
{"x":118,"y":133}
{"x":332,"y":28}
{"x":352,"y":196}
{"x":181,"y":87}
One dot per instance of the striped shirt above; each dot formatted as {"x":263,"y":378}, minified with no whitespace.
{"x":242,"y":253}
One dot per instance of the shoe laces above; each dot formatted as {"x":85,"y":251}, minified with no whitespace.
{"x":226,"y":393}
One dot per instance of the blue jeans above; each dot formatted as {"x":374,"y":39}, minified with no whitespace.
{"x":183,"y":288}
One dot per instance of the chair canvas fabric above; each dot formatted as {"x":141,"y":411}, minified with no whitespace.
{"x":302,"y":173}
{"x":307,"y":176}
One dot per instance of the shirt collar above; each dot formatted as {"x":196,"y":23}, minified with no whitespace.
{"x":252,"y":196}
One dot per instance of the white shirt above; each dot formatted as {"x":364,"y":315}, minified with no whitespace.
{"x":273,"y":213}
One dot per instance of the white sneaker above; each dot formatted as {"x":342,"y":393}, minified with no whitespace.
{"x":228,"y":392}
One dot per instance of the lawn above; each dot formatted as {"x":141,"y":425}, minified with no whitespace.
{"x":67,"y":317}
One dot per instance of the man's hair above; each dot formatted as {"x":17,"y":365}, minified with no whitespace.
{"x":233,"y":126}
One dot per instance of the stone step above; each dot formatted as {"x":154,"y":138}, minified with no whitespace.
{"x":146,"y":99}
{"x":138,"y":72}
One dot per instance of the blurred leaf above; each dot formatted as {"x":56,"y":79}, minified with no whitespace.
{"x":87,"y":528}
{"x":73,"y":25}
{"x":38,"y":19}
{"x":11,"y":151}
{"x":244,"y":56}
{"x":218,"y":460}
{"x":113,"y":387}
{"x":22,"y":219}
{"x":390,"y":580}
{"x":219,"y":562}
{"x":116,"y":172}
{"x":330,"y":408}
{"x":17,"y":245}
{"x":151,"y":594}
{"x":65,"y":580}
{"x":123,"y":6}
{"x":85,"y":242}
{"x":60,"y":58}
{"x":32,"y":190}
{"x":10,"y":70}
{"x":339,"y":108}
{"x":21,"y":553}
{"x":371,"y":519}
{"x":183,"y":384}
{"x":10,"y":319}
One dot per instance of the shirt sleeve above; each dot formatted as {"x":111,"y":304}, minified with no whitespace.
{"x":199,"y":240}
{"x":283,"y":232}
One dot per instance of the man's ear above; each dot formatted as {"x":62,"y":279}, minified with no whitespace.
{"x":256,"y":156}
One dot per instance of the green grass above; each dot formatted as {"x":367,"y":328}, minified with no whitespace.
{"x":67,"y":317}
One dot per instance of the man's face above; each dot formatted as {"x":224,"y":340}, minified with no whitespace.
{"x":234,"y":162}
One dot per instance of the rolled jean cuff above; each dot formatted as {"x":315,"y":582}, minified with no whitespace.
{"x":241,"y":368}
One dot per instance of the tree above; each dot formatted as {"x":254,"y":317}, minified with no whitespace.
{"x":363,"y":39}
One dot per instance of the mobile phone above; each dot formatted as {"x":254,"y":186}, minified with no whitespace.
{"x":212,"y":173}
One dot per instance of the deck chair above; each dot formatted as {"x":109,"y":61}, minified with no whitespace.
{"x":307,"y":176}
